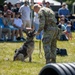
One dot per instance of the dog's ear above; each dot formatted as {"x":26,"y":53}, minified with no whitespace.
{"x":25,"y":31}
{"x":15,"y":50}
{"x":33,"y":31}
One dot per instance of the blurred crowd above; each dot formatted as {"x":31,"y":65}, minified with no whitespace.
{"x":15,"y":18}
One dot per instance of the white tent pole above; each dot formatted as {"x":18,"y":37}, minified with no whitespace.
{"x":32,"y":2}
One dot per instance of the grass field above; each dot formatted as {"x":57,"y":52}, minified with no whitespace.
{"x":8,"y":67}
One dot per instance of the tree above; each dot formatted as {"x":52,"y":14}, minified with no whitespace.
{"x":1,"y":2}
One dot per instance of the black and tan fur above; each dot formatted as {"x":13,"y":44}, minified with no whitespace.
{"x":26,"y":49}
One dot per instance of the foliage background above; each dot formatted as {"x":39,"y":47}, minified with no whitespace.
{"x":1,"y":2}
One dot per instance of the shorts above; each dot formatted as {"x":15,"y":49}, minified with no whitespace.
{"x":11,"y":27}
{"x":27,"y":23}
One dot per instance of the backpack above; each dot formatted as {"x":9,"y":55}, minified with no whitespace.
{"x":61,"y":52}
{"x":63,"y":38}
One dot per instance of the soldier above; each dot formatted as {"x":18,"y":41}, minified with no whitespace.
{"x":48,"y":24}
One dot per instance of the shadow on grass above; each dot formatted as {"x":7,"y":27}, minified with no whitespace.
{"x":12,"y":41}
{"x":17,"y":41}
{"x":11,"y":60}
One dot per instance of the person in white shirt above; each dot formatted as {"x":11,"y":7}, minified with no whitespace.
{"x":19,"y":24}
{"x":36,"y":21}
{"x":36,"y":26}
{"x":25,"y":15}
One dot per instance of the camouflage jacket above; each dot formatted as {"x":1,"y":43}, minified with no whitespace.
{"x":46,"y":18}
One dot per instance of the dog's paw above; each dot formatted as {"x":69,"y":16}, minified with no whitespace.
{"x":6,"y":59}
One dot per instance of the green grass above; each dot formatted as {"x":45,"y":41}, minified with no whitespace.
{"x":8,"y":67}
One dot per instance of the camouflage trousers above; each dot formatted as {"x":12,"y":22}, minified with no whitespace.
{"x":49,"y":44}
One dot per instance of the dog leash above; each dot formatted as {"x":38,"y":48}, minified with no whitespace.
{"x":40,"y":52}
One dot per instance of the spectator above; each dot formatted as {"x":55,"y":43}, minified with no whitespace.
{"x":4,"y":30}
{"x":68,"y":29}
{"x":8,"y":21}
{"x":25,"y":14}
{"x":1,"y":7}
{"x":36,"y":26}
{"x":63,"y":18}
{"x":73,"y":25}
{"x":5,"y":2}
{"x":64,"y":11}
{"x":19,"y":24}
{"x":18,"y":4}
{"x":36,"y":21}
{"x":43,"y":3}
{"x":62,"y":26}
{"x":15,"y":8}
{"x":5,"y":8}
{"x":9,"y":5}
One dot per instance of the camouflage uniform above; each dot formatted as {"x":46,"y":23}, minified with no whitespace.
{"x":48,"y":23}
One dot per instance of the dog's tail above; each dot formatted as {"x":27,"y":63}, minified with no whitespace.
{"x":15,"y":56}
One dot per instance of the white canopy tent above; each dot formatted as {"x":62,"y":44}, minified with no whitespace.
{"x":37,"y":1}
{"x":12,"y":1}
{"x":40,"y":1}
{"x":54,"y":2}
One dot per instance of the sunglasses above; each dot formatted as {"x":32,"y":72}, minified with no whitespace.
{"x":64,"y":5}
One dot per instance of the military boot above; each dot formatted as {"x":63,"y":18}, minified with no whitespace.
{"x":47,"y":61}
{"x":53,"y":60}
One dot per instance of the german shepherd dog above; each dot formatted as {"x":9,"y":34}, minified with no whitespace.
{"x":26,"y":49}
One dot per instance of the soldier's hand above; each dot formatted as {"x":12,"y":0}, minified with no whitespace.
{"x":36,"y":33}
